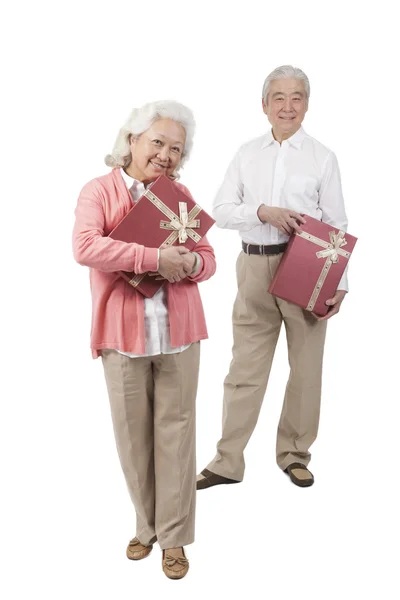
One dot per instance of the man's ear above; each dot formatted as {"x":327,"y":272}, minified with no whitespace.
{"x":264,"y":106}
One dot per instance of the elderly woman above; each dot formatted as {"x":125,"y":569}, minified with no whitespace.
{"x":149,"y":347}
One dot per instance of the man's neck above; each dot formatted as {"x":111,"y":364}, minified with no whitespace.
{"x":280,"y":136}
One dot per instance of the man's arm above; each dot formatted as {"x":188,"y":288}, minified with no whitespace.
{"x":331,"y":202}
{"x":229,"y":210}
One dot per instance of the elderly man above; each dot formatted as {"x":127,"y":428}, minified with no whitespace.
{"x":271,"y":181}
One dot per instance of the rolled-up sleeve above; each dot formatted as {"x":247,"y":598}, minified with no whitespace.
{"x":229,"y":210}
{"x":207,"y":265}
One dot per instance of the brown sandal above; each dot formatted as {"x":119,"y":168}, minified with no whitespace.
{"x":300,"y":475}
{"x":211,"y":479}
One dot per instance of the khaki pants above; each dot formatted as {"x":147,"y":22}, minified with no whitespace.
{"x":153,"y":411}
{"x":257,"y":319}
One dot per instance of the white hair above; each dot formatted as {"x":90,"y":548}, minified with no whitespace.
{"x":285,"y":72}
{"x":141,"y":119}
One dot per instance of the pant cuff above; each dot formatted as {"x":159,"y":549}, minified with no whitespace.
{"x":223,"y":473}
{"x":176,"y":543}
{"x":292,"y":458}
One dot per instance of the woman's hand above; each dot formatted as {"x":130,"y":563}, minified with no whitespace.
{"x":189,"y":261}
{"x":172,"y":263}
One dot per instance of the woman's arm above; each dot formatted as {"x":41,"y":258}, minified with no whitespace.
{"x":207,"y":258}
{"x":92,"y":248}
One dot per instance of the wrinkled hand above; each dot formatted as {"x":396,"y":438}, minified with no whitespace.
{"x":334,"y":304}
{"x":284,"y":219}
{"x":171,"y":264}
{"x":189,"y":260}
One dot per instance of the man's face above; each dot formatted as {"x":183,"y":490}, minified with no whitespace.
{"x":286,"y":106}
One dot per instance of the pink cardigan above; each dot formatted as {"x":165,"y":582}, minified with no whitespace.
{"x":117,"y":308}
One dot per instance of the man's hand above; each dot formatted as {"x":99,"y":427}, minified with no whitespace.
{"x":171,"y":264}
{"x":334,"y":304}
{"x":283,"y":219}
{"x":189,"y":261}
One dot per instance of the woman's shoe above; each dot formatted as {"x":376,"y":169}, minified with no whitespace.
{"x":137,"y":551}
{"x":175,"y":565}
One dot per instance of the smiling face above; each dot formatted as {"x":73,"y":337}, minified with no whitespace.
{"x":286,"y":106}
{"x":157,"y":151}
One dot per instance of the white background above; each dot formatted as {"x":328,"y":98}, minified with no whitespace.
{"x":71,"y":74}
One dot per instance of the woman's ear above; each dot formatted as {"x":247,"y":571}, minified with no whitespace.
{"x":133,"y":139}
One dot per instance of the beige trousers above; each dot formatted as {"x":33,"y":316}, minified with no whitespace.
{"x":257,"y":319}
{"x":153,"y":411}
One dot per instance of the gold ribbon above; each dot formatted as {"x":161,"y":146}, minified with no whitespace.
{"x":332,"y":252}
{"x":182,"y":226}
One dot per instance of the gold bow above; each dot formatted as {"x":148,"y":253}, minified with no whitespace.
{"x":337,"y":241}
{"x":181,"y":224}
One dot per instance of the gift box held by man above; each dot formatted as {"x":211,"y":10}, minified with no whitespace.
{"x":313,"y":265}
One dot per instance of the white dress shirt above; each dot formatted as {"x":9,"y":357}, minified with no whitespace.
{"x":156,"y":319}
{"x":300,"y":174}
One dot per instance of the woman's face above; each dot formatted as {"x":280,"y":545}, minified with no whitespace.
{"x":158,"y":151}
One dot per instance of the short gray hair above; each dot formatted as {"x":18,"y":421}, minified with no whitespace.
{"x":285,"y":72}
{"x":141,"y":119}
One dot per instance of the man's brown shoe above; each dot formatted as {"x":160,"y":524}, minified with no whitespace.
{"x":174,"y":563}
{"x":207,"y":479}
{"x":300,"y":475}
{"x":137,"y":551}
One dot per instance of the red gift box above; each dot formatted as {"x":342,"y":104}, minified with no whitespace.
{"x":163,"y":215}
{"x":312,"y":265}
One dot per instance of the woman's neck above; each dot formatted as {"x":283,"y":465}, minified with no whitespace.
{"x":132,"y":172}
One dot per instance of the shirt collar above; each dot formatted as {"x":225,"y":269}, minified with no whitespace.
{"x":295,"y":140}
{"x":130,"y":181}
